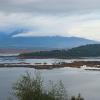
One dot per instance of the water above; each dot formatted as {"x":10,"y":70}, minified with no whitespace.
{"x":13,"y":59}
{"x":75,"y":80}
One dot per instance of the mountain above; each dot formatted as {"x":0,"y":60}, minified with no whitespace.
{"x":91,"y":50}
{"x":42,"y":42}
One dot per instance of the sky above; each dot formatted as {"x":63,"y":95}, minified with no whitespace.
{"x":80,"y":18}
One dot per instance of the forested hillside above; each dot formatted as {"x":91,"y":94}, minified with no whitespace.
{"x":92,"y":50}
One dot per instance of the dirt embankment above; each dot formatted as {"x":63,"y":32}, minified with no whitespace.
{"x":75,"y":64}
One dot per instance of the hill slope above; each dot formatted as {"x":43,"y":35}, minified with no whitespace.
{"x":92,"y":50}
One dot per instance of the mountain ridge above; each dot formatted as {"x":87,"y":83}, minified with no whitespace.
{"x":42,"y":42}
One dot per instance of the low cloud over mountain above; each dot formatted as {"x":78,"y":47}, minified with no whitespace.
{"x":41,"y":42}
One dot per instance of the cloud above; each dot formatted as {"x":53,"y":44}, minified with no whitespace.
{"x":84,"y":25}
{"x":49,"y":6}
{"x":23,"y":18}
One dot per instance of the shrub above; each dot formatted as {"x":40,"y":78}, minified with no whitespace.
{"x":77,"y":98}
{"x":32,"y":88}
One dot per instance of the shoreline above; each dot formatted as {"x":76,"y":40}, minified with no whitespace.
{"x":87,"y":65}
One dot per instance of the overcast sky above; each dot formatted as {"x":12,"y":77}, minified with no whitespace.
{"x":79,"y":18}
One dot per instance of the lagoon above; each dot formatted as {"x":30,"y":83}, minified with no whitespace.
{"x":75,"y":80}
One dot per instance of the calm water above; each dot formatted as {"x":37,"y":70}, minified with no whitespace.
{"x":49,"y":61}
{"x":75,"y":80}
